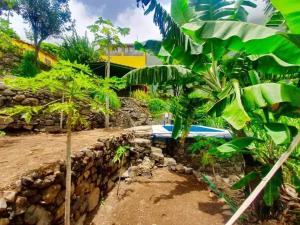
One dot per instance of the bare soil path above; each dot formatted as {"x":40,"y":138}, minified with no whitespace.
{"x":21,"y":154}
{"x":166,"y":199}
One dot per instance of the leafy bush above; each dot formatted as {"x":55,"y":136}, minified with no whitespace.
{"x":6,"y":29}
{"x":158,"y":106}
{"x":141,"y":95}
{"x":50,"y":48}
{"x":27,"y":67}
{"x":78,"y":49}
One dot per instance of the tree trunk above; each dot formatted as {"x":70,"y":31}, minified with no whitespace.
{"x":107,"y":75}
{"x":37,"y":50}
{"x":68,"y":171}
{"x":62,"y":114}
{"x":119,"y":182}
{"x":181,"y":150}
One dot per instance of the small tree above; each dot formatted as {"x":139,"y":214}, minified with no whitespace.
{"x":107,"y":36}
{"x":75,"y":84}
{"x":9,"y":6}
{"x":119,"y":158}
{"x":46,"y":18}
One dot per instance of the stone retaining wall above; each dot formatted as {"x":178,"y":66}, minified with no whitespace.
{"x":132,"y":113}
{"x":38,"y":198}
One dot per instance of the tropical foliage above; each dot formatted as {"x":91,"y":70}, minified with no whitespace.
{"x":75,"y":83}
{"x":108,"y":38}
{"x":27,"y":66}
{"x":220,"y":62}
{"x":78,"y":49}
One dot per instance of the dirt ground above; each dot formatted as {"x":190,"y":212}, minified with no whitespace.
{"x":21,"y":154}
{"x":166,"y":199}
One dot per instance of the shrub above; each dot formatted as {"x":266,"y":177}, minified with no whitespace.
{"x":50,"y":48}
{"x":78,"y":49}
{"x":141,"y":95}
{"x":6,"y":29}
{"x":27,"y":67}
{"x":158,"y":106}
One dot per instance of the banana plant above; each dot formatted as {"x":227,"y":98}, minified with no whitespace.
{"x":204,"y":40}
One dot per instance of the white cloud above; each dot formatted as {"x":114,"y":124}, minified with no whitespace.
{"x":79,"y":13}
{"x":141,"y":27}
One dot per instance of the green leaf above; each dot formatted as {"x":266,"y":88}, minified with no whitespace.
{"x":235,"y":113}
{"x":181,"y":12}
{"x":290,"y":11}
{"x":249,"y":38}
{"x":157,"y":74}
{"x":236,"y":146}
{"x":178,"y":127}
{"x":245,"y":180}
{"x":254,"y":77}
{"x":272,"y":190}
{"x":280,"y":133}
{"x":268,"y":94}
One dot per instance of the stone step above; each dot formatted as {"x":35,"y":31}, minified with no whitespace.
{"x":141,"y":129}
{"x":141,"y":142}
{"x":145,"y":135}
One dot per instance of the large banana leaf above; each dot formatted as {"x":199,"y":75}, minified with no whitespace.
{"x":155,"y":48}
{"x":157,"y":74}
{"x":250,"y":38}
{"x":233,"y":147}
{"x":290,"y":9}
{"x":235,"y":113}
{"x":281,"y":133}
{"x":181,"y":12}
{"x":268,"y":94}
{"x":272,"y":190}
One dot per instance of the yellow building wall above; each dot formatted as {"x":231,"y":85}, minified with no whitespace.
{"x":44,"y":57}
{"x":130,"y":61}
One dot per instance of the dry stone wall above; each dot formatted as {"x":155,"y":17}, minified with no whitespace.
{"x":38,"y":198}
{"x":132,"y":113}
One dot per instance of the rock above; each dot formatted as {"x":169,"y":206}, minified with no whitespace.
{"x":158,"y":157}
{"x":93,"y":199}
{"x":4,"y":221}
{"x":188,"y":170}
{"x":49,"y":122}
{"x":5,"y":121}
{"x":81,"y":220}
{"x":21,"y":205}
{"x":10,"y":196}
{"x":60,"y":212}
{"x":173,"y":168}
{"x":30,"y":101}
{"x":50,"y":194}
{"x":125,"y":174}
{"x":3,"y":205}
{"x":145,"y":167}
{"x":110,"y":185}
{"x":37,"y":215}
{"x":53,"y":129}
{"x":180,"y":168}
{"x":169,"y":162}
{"x":8,"y":92}
{"x":156,"y":150}
{"x":27,"y":181}
{"x":133,"y":171}
{"x":19,"y":98}
{"x":141,"y":142}
{"x":2,"y":86}
{"x":2,"y":101}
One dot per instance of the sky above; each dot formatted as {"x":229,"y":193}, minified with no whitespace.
{"x":123,"y":13}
